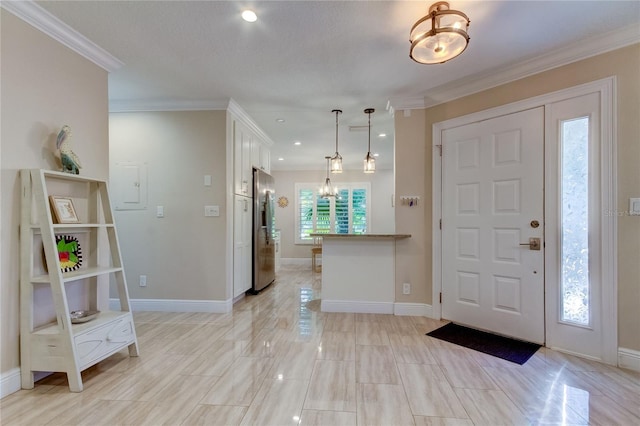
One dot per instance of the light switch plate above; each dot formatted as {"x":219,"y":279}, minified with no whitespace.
{"x":159,"y":211}
{"x":212,"y":211}
{"x":634,"y":206}
{"x":207,"y":180}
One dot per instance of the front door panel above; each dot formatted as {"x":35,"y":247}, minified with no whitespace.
{"x":493,"y":277}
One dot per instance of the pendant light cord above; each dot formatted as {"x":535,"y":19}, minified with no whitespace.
{"x":369,"y":149}
{"x":337,"y":111}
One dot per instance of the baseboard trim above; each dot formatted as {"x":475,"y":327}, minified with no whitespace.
{"x":172,"y":305}
{"x":10,"y":382}
{"x":629,"y":359}
{"x":413,"y":309}
{"x":356,"y":306}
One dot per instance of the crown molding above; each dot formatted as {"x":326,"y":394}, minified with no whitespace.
{"x":36,"y":16}
{"x":574,"y":52}
{"x":399,"y":104}
{"x":235,"y":108}
{"x":229,"y":105}
{"x":166,"y":105}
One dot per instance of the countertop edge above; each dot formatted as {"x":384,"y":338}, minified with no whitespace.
{"x":363,"y":236}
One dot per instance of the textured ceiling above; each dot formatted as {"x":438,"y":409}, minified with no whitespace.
{"x":302,"y":59}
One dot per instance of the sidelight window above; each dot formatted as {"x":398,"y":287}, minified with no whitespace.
{"x":575,"y":291}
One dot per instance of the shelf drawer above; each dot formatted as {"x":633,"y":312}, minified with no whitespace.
{"x":98,"y":343}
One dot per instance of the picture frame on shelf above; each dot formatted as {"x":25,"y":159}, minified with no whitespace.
{"x":63,"y":209}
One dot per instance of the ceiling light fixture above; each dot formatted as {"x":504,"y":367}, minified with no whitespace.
{"x":336,"y":160}
{"x":249,"y":16}
{"x":327,"y":189}
{"x":439,"y":36}
{"x":369,"y":161}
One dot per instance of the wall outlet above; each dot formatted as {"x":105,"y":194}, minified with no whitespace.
{"x":143,"y":280}
{"x":406,"y":288}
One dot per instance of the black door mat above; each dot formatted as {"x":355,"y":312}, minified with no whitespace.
{"x":513,"y":350}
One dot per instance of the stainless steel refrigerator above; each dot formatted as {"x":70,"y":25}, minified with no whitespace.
{"x":264,"y":246}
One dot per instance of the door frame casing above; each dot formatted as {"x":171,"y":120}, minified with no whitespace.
{"x":608,"y":196}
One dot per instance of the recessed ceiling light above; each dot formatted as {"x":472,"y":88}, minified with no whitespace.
{"x":280,"y":120}
{"x":382,"y":135}
{"x":280,"y":159}
{"x":249,"y":16}
{"x":376,"y":155}
{"x":297,"y":143}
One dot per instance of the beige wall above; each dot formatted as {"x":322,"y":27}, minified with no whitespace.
{"x":44,"y":85}
{"x":411,"y":172}
{"x":413,"y":138}
{"x":382,"y":212}
{"x":183,"y":253}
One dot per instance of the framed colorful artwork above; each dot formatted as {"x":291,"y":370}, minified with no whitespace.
{"x":63,"y":209}
{"x":69,"y":253}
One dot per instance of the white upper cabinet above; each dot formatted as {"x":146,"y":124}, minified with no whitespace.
{"x":249,"y":150}
{"x":260,"y":154}
{"x":265,"y":158}
{"x":241,"y":159}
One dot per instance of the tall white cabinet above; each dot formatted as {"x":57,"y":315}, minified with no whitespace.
{"x":242,"y":227}
{"x":251,"y":149}
{"x":52,"y":285}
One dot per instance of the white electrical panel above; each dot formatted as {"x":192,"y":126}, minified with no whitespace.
{"x":129,"y":185}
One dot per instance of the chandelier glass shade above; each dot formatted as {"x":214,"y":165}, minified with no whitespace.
{"x":327,"y":190}
{"x":336,"y":160}
{"x":369,"y":160}
{"x":439,"y":36}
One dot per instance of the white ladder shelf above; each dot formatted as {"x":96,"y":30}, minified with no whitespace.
{"x":59,"y":344}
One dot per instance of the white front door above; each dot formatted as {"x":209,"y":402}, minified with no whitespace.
{"x":492,"y":204}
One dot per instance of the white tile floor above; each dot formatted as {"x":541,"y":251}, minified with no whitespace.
{"x":275,"y":361}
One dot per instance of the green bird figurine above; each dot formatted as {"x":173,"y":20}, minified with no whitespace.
{"x":68,"y":158}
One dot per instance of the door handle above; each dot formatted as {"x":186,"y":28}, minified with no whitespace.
{"x":534,"y":244}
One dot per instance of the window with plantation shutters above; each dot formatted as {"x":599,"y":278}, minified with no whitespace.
{"x":305,"y":218}
{"x":342,"y":212}
{"x":348,"y":213}
{"x":359,"y":215}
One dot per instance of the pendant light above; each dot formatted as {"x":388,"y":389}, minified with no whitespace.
{"x":369,"y":161}
{"x":336,"y":160}
{"x":327,"y":189}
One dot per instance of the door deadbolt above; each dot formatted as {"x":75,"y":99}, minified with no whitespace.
{"x":534,"y":244}
{"x":535,"y":223}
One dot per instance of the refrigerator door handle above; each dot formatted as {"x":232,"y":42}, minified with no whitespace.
{"x":267,"y":216}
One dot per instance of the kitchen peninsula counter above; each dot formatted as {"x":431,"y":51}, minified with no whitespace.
{"x":358,"y":272}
